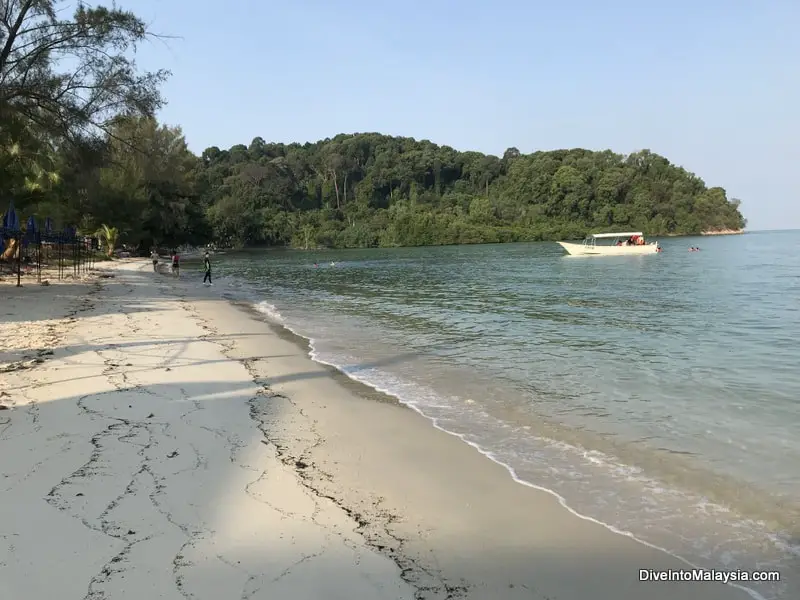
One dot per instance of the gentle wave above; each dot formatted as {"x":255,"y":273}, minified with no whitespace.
{"x":655,"y":397}
{"x":269,"y":310}
{"x":418,"y":399}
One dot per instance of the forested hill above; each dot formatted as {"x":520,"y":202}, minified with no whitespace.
{"x":370,"y":189}
{"x":79,"y":143}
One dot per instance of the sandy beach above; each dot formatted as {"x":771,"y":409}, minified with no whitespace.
{"x":162,"y":442}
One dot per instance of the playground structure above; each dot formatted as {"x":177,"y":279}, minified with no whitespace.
{"x":30,"y":248}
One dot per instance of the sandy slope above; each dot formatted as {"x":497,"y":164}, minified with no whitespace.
{"x":131,"y":466}
{"x":175,"y":447}
{"x":456,"y":522}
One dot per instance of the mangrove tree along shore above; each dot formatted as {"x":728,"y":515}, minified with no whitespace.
{"x":81,"y":145}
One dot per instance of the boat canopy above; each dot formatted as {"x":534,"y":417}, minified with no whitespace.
{"x":617,"y":235}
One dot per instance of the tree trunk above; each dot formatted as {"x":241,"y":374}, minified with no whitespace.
{"x":336,"y":187}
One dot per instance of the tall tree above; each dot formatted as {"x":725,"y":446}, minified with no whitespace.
{"x":71,"y":77}
{"x":151,"y":189}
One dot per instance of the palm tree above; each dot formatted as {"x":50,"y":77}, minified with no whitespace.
{"x":110,"y":236}
{"x":27,"y":160}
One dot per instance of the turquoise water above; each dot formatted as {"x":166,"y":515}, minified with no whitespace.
{"x":658,"y":394}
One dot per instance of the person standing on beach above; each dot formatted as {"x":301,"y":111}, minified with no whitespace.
{"x":207,"y":268}
{"x":176,"y":264}
{"x":154,"y":257}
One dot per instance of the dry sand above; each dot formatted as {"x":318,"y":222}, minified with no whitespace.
{"x":131,"y":467}
{"x":174,"y":446}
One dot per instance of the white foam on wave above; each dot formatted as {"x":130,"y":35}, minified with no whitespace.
{"x":415,"y":397}
{"x":270,"y":311}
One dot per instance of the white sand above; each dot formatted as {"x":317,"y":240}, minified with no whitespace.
{"x":131,"y":468}
{"x":142,"y":461}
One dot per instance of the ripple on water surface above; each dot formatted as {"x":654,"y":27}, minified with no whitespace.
{"x":657,"y":394}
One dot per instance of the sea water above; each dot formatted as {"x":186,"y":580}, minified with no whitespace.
{"x":657,"y":394}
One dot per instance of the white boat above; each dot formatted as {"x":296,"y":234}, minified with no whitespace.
{"x":622,"y":244}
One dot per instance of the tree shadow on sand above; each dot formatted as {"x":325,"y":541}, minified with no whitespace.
{"x":179,"y":488}
{"x":148,"y":485}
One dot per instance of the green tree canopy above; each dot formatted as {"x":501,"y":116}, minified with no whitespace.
{"x":71,"y":77}
{"x":65,"y":80}
{"x":78,"y":142}
{"x":370,"y":189}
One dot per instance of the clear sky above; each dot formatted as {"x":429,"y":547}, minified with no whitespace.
{"x":711,"y":84}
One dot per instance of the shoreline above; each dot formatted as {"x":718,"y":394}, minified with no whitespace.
{"x":724,"y":232}
{"x":363,"y":386}
{"x":369,"y":393}
{"x":771,"y":518}
{"x":274,"y":321}
{"x":454,"y":524}
{"x":341,"y":249}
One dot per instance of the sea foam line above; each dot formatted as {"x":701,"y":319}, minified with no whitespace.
{"x":271,"y":312}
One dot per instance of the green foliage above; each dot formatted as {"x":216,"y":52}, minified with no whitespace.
{"x":109,"y":236}
{"x":70,"y":94}
{"x":147,"y":185}
{"x":82,"y":147}
{"x":72,"y":76}
{"x":374,"y":190}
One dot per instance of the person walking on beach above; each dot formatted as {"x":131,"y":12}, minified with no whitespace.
{"x":207,"y":268}
{"x":154,"y":257}
{"x":176,"y":264}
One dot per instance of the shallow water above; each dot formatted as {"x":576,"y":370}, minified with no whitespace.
{"x":658,"y":394}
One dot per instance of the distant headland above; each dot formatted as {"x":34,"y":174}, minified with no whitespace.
{"x":723,"y":232}
{"x":368,"y":189}
{"x":101,"y":159}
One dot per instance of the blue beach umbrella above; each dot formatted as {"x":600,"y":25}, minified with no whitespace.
{"x":11,"y":221}
{"x":30,"y":228}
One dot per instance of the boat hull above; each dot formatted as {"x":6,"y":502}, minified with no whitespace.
{"x":588,"y":250}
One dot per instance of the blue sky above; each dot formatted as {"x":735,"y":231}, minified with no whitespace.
{"x":712,"y":85}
